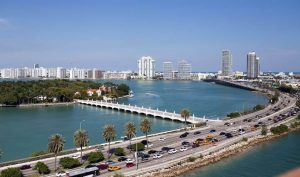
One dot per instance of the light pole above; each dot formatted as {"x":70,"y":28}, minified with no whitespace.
{"x":136,"y":154}
{"x":80,"y":124}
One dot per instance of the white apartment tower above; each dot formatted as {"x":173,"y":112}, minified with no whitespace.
{"x":168,"y":70}
{"x":253,"y":66}
{"x":146,"y":66}
{"x":226,"y":63}
{"x":184,"y":70}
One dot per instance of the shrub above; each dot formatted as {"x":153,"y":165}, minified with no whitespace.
{"x":233,"y":114}
{"x":11,"y":172}
{"x":200,"y":124}
{"x":298,"y":103}
{"x":258,"y":107}
{"x":295,"y":124}
{"x":298,"y":116}
{"x":118,"y":175}
{"x":69,"y":163}
{"x":279,"y":129}
{"x":140,"y":147}
{"x":38,"y":153}
{"x":201,"y":156}
{"x":245,"y":139}
{"x":264,"y":130}
{"x":42,"y":168}
{"x":94,"y":157}
{"x":119,"y":152}
{"x":191,"y":159}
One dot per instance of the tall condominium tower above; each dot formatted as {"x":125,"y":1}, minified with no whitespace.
{"x":184,"y":70}
{"x":226,"y":63}
{"x":168,"y":70}
{"x":146,"y":66}
{"x":253,"y":66}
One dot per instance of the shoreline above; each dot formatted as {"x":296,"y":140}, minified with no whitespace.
{"x":185,"y":167}
{"x":44,"y":104}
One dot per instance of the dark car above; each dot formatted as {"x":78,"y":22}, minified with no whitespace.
{"x":140,"y":154}
{"x":184,"y":135}
{"x":212,"y":131}
{"x":165,"y":149}
{"x":109,"y":162}
{"x":102,"y":166}
{"x":145,"y":142}
{"x":185,"y":143}
{"x":195,"y":145}
{"x":222,"y":133}
{"x":84,"y":157}
{"x":152,"y":152}
{"x":128,"y":165}
{"x":145,"y":157}
{"x":121,"y":159}
{"x":197,"y":132}
{"x":90,"y":166}
{"x":227,"y":124}
{"x":228,"y":135}
{"x":256,"y":125}
{"x":25,"y":167}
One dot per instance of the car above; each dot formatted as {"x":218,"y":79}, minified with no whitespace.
{"x":228,"y":135}
{"x":157,"y":156}
{"x":102,"y":166}
{"x":197,"y":132}
{"x":129,"y":161}
{"x":109,"y":162}
{"x":227,"y":124}
{"x":25,"y":167}
{"x":145,"y":142}
{"x":140,"y":154}
{"x":149,"y":145}
{"x":256,"y":125}
{"x":222,"y":133}
{"x":84,"y":157}
{"x":259,"y":123}
{"x":76,"y":156}
{"x":162,"y":139}
{"x":172,"y":151}
{"x":183,"y":148}
{"x":90,"y":166}
{"x":186,"y":143}
{"x":165,"y":149}
{"x":184,"y":135}
{"x":212,"y":131}
{"x":121,"y":159}
{"x":128,"y":165}
{"x":145,"y":157}
{"x":60,"y":174}
{"x":195,"y":145}
{"x":152,"y":151}
{"x":114,"y":168}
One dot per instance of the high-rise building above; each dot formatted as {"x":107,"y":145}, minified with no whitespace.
{"x":146,"y":66}
{"x":184,"y":70}
{"x":253,"y":66}
{"x":226,"y":63}
{"x":36,"y":66}
{"x":168,"y":70}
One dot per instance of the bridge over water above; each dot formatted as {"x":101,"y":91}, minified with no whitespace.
{"x":144,"y":111}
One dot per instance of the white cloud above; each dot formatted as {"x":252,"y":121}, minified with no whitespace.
{"x":3,"y":23}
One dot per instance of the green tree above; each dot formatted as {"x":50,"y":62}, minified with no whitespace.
{"x":81,"y":139}
{"x":119,"y":151}
{"x":109,"y":134}
{"x":94,"y":157}
{"x":145,"y":127}
{"x":69,"y":163}
{"x":130,"y":131}
{"x":56,"y":145}
{"x":298,"y":103}
{"x":11,"y":172}
{"x":185,"y":113}
{"x":42,"y":168}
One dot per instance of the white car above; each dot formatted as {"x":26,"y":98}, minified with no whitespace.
{"x":183,"y":149}
{"x":172,"y":151}
{"x":162,"y":139}
{"x":149,"y":145}
{"x":76,"y":156}
{"x":157,"y":156}
{"x":60,"y":174}
{"x":129,"y":161}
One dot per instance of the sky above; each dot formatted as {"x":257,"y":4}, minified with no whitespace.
{"x":114,"y":34}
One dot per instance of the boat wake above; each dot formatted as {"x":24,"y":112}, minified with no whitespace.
{"x":152,"y":94}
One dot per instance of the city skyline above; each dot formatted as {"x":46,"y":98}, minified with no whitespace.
{"x":113,"y":35}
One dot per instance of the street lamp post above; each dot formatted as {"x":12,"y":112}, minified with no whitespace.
{"x":136,"y":154}
{"x":80,"y":124}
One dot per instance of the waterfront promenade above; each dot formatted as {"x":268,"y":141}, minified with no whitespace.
{"x":145,"y":111}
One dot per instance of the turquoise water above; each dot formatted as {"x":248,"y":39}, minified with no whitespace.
{"x":24,"y":130}
{"x":264,"y":160}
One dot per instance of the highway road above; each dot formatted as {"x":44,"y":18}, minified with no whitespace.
{"x":246,"y":122}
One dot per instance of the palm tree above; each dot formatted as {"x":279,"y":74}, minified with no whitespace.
{"x":56,"y":145}
{"x":109,"y":134}
{"x":185,"y":113}
{"x":81,"y":139}
{"x":146,"y":128}
{"x":130,"y":131}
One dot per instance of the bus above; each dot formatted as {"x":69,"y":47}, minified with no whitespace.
{"x":93,"y":171}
